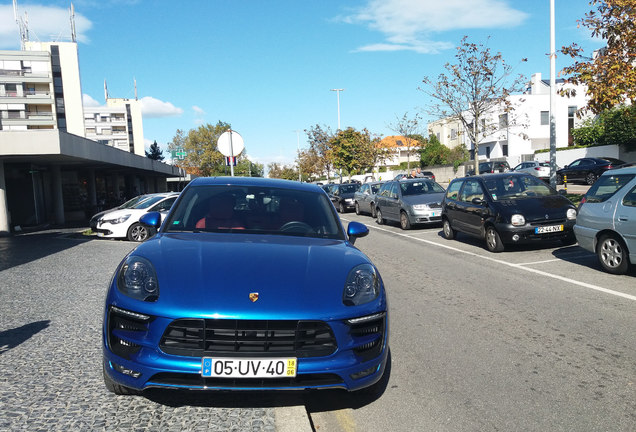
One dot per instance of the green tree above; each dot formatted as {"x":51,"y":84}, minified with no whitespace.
{"x":203,"y":157}
{"x":475,"y":86}
{"x":434,"y":153}
{"x":320,"y":151}
{"x":354,"y":151}
{"x":610,"y":73}
{"x":286,"y":172}
{"x":155,"y":152}
{"x":613,"y":126}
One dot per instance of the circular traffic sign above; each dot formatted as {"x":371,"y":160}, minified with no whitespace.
{"x":230,"y":143}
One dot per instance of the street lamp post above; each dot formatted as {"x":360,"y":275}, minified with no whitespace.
{"x":338,"y":93}
{"x":300,"y":179}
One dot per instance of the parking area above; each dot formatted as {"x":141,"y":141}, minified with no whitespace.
{"x":565,"y":264}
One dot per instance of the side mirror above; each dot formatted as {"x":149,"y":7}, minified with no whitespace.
{"x":565,"y":166}
{"x":478,"y":201}
{"x":356,"y":230}
{"x":152,"y":219}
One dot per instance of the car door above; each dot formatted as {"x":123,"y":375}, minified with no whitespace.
{"x":363,"y":196}
{"x":450,"y":205}
{"x":383,"y":196}
{"x":391,"y":203}
{"x":580,"y":170}
{"x":625,"y":221}
{"x":470,"y":213}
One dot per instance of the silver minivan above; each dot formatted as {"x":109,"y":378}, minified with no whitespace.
{"x":606,"y":222}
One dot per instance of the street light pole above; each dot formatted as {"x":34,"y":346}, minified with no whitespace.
{"x":338,"y":93}
{"x":552,"y":100}
{"x":300,"y":179}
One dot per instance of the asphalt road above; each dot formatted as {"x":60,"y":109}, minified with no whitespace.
{"x":535,"y":338}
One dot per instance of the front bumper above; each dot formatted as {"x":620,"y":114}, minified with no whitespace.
{"x":526,"y":233}
{"x":112,"y":230}
{"x":427,"y":216}
{"x":586,"y":237}
{"x":140,"y":363}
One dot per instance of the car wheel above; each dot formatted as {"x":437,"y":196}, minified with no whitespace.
{"x":118,"y":389}
{"x":612,"y":254}
{"x":373,"y":214}
{"x":493,"y":241}
{"x":590,"y":178}
{"x":449,"y":232}
{"x":357,"y":208}
{"x":341,"y":208}
{"x":559,"y":179}
{"x":137,"y":232}
{"x":378,"y":216}
{"x":405,"y":223}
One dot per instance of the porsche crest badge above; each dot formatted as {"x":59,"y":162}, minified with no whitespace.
{"x":253,"y":297}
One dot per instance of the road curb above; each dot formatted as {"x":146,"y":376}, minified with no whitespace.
{"x":292,"y":419}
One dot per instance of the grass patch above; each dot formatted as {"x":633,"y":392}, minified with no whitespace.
{"x":88,"y":232}
{"x":575,"y":198}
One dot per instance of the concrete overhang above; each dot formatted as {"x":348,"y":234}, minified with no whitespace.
{"x":53,"y":147}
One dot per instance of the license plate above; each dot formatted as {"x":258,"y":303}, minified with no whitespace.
{"x":548,"y":229}
{"x":248,"y":367}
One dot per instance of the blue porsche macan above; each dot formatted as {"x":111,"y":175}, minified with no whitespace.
{"x":250,"y":283}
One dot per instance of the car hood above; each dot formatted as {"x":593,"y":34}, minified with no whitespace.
{"x":213,"y":274}
{"x":534,"y":209}
{"x":423,"y":198}
{"x":118,"y":213}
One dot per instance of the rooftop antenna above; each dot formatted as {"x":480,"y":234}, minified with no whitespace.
{"x":73,"y":34}
{"x":105,"y":91}
{"x":23,"y":25}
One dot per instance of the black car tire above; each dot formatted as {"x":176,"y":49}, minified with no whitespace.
{"x":138,"y":232}
{"x":118,"y":389}
{"x":590,"y":178}
{"x":569,"y":240}
{"x":449,"y":232}
{"x":342,"y":208}
{"x":357,"y":208}
{"x":405,"y":223}
{"x":378,"y":217}
{"x":373,"y":214}
{"x":559,"y":179}
{"x":493,"y":241}
{"x":612,"y":254}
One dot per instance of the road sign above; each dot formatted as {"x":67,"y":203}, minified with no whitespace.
{"x":230,"y":160}
{"x":230,"y":143}
{"x":179,"y":154}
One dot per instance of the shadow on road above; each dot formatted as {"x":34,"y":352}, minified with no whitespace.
{"x":13,"y":337}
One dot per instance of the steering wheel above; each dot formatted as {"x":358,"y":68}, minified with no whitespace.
{"x":296,"y":226}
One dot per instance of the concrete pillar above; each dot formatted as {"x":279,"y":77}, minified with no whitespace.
{"x":4,"y":210}
{"x":58,"y":197}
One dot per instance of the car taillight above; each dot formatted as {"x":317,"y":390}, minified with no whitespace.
{"x":537,"y":169}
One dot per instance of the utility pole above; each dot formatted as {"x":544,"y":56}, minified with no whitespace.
{"x":300,"y":178}
{"x":552,"y":100}
{"x":338,"y":93}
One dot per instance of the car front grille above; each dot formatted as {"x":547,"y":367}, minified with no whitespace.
{"x":203,"y":337}
{"x":368,"y":337}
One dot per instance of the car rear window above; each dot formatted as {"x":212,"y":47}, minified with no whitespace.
{"x":606,"y":186}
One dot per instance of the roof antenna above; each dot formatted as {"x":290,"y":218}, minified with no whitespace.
{"x":23,"y":25}
{"x":73,"y":34}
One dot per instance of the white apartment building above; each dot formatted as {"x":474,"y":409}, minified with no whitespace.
{"x":515,"y":136}
{"x":49,"y":171}
{"x":118,"y":124}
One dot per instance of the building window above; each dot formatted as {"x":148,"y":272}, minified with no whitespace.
{"x":453,"y":134}
{"x":545,"y":118}
{"x":504,"y":149}
{"x":503,"y":121}
{"x":437,"y":135}
{"x":571,"y":113}
{"x":487,"y":152}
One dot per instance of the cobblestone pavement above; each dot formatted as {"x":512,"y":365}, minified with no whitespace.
{"x":52,"y":290}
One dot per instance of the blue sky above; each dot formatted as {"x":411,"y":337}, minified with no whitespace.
{"x":267,"y":66}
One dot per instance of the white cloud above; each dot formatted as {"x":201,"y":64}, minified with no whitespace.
{"x":88,"y":101}
{"x":197,"y":110}
{"x":155,"y":108}
{"x":408,"y":24}
{"x":46,"y":23}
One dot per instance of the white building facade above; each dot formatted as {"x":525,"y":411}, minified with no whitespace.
{"x":516,"y":135}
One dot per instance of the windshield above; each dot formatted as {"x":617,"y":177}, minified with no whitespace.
{"x":420,"y":187}
{"x":606,"y":186}
{"x":132,"y":202}
{"x":349,"y":188}
{"x":145,"y":203}
{"x":517,"y":187}
{"x":256,"y":210}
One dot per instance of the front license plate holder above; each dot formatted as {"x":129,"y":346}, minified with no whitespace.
{"x":239,"y":367}
{"x":548,"y":229}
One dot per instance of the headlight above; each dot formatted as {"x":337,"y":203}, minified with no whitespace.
{"x":138,"y":279}
{"x":420,"y":207}
{"x":349,"y":200}
{"x":571,"y":214}
{"x":120,"y":219}
{"x":362,"y":286}
{"x":517,"y":220}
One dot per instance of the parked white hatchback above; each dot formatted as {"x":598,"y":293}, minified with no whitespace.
{"x":125,"y":223}
{"x":606,"y":222}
